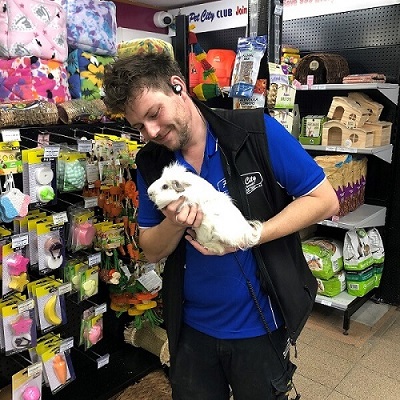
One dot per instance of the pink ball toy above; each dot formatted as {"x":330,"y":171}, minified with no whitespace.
{"x":31,"y":393}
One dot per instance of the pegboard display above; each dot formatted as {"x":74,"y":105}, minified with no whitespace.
{"x":369,"y":39}
{"x":127,"y":363}
{"x":224,"y":39}
{"x":377,"y":26}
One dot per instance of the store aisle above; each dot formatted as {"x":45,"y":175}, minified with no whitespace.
{"x":364,"y":365}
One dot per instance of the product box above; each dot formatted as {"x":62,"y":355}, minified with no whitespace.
{"x":311,"y":129}
{"x":289,"y":118}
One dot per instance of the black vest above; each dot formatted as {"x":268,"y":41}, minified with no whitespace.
{"x":283,"y":271}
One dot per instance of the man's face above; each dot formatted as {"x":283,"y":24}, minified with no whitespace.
{"x":160,"y":118}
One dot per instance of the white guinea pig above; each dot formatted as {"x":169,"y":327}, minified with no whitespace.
{"x":223,"y":224}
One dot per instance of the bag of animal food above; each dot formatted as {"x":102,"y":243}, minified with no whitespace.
{"x":324,"y":256}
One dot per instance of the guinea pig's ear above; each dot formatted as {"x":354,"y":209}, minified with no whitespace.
{"x":177,"y":186}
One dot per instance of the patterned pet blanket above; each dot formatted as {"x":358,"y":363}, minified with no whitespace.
{"x":86,"y":74}
{"x":33,"y":28}
{"x":33,"y":78}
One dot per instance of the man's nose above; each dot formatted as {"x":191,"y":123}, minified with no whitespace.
{"x":151,"y":129}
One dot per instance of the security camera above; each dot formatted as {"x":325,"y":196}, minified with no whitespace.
{"x":162,"y":19}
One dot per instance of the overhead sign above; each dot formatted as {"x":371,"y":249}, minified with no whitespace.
{"x":293,"y":9}
{"x":214,"y":16}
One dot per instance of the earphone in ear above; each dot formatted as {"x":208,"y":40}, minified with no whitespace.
{"x":177,"y":88}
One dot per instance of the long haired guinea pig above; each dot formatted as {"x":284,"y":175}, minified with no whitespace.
{"x":223,"y":224}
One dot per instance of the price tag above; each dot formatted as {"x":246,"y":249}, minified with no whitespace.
{"x":85,"y":146}
{"x":151,"y":281}
{"x":118,"y":146}
{"x":19,"y":241}
{"x":91,"y":202}
{"x":26,"y":306}
{"x":35,"y":370}
{"x":92,"y":172}
{"x":66,"y":344}
{"x":346,"y":149}
{"x":65,"y":288}
{"x":94,"y":259}
{"x":100,"y":309}
{"x":326,"y":303}
{"x":51,"y":152}
{"x":11,"y":135}
{"x":103,"y":360}
{"x":60,"y":218}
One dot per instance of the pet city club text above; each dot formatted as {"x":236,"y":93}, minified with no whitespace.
{"x":210,"y":15}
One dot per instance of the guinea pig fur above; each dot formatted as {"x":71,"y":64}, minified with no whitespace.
{"x":223,"y":224}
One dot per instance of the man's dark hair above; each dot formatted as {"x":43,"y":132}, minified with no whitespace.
{"x":128,"y":76}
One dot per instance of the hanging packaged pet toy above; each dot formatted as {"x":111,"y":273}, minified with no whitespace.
{"x":203,"y":91}
{"x":13,"y":203}
{"x":250,"y":51}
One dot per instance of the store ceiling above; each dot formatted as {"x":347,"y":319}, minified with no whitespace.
{"x":169,"y":4}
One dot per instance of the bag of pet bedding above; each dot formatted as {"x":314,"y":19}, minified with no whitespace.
{"x":357,"y":254}
{"x":332,"y":286}
{"x":378,"y":253}
{"x":324,"y":256}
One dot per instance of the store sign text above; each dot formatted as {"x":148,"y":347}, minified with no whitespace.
{"x":215,"y":15}
{"x":209,"y":15}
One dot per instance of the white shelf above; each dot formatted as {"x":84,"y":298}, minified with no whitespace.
{"x":340,"y":302}
{"x":382,"y":152}
{"x":390,"y":90}
{"x":365,"y":216}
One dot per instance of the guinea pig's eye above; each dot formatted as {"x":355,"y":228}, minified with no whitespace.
{"x":164,"y":187}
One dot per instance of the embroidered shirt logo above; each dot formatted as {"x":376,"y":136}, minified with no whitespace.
{"x":252,"y":181}
{"x":221,"y":186}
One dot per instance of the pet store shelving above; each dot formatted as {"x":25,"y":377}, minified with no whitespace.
{"x":367,"y":215}
{"x":390,"y":90}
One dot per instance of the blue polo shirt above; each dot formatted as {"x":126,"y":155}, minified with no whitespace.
{"x":217,"y":299}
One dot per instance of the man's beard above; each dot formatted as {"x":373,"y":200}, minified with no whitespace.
{"x":183,"y":139}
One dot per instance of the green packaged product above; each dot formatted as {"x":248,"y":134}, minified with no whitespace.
{"x":324,"y":256}
{"x":359,"y":283}
{"x":332,"y":286}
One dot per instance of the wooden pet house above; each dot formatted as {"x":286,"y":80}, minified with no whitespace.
{"x":382,"y":132}
{"x":374,"y":108}
{"x":348,"y":112}
{"x":334,"y":133}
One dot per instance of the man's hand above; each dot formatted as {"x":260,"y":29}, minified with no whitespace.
{"x":183,"y":215}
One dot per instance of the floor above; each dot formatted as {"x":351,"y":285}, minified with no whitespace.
{"x":363,"y":365}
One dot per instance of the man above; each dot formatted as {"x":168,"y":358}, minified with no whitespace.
{"x":229,"y":318}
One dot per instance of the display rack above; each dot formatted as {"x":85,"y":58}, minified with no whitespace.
{"x":125,"y":364}
{"x":344,"y":302}
{"x":367,"y":215}
{"x":390,"y":90}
